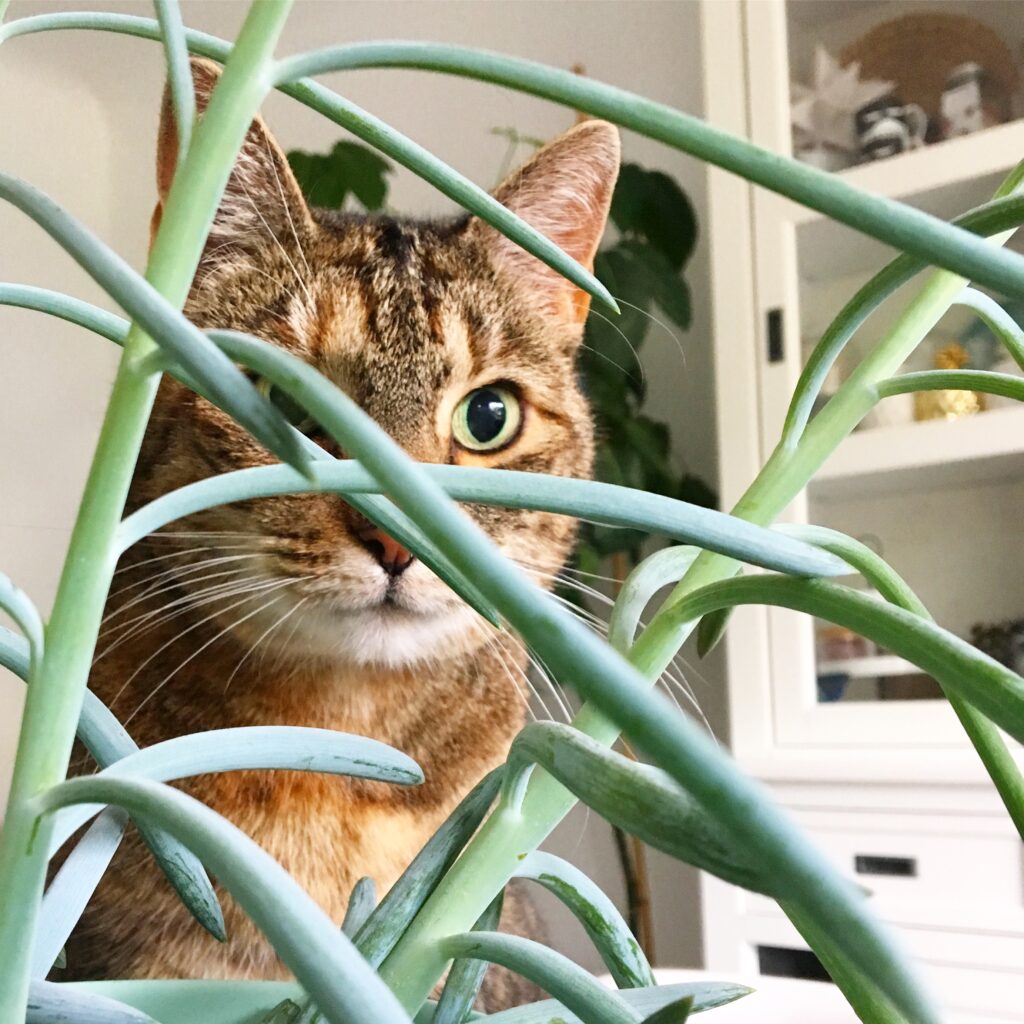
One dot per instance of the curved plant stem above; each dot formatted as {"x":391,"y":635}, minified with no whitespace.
{"x":26,"y":616}
{"x":998,"y":321}
{"x":338,"y":978}
{"x":788,"y":469}
{"x":577,"y":990}
{"x":361,"y":124}
{"x":907,"y":229}
{"x":55,"y":693}
{"x":1005,"y":385}
{"x":985,"y":737}
{"x":179,"y":73}
{"x":998,"y":215}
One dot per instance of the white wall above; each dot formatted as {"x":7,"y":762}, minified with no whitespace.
{"x":77,"y":117}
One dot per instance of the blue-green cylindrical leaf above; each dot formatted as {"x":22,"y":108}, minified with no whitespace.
{"x":72,"y":887}
{"x":990,"y":219}
{"x":986,"y":738}
{"x":569,"y":983}
{"x":323,"y":960}
{"x":50,"y":1003}
{"x":14,"y":653}
{"x":706,"y":995}
{"x":360,"y":906}
{"x":466,"y":976}
{"x":404,"y":899}
{"x":19,"y":606}
{"x":108,"y":325}
{"x":107,"y":741}
{"x":956,"y":665}
{"x":599,"y":917}
{"x":186,"y":344}
{"x":605,"y":503}
{"x":902,"y":226}
{"x":361,"y":124}
{"x":257,"y":747}
{"x":637,"y":798}
{"x":179,"y":72}
{"x":656,"y":571}
{"x":998,"y":321}
{"x":1005,"y":384}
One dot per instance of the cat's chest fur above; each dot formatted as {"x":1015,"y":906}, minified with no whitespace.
{"x":455,"y":718}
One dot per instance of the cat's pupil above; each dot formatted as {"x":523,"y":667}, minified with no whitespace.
{"x":486,"y":415}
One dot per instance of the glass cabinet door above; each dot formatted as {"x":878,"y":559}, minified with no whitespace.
{"x":934,"y":485}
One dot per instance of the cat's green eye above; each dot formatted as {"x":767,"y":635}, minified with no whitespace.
{"x":487,"y":419}
{"x":294,"y":413}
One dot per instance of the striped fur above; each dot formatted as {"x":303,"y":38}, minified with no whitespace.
{"x":406,"y":317}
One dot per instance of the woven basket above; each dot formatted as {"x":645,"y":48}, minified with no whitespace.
{"x":918,"y":51}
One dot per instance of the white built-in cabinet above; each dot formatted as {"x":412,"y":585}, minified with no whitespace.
{"x":887,"y":785}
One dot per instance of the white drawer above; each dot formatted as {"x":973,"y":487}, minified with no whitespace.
{"x":972,"y":975}
{"x":955,"y":871}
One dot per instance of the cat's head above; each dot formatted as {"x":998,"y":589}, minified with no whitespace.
{"x":458,"y":343}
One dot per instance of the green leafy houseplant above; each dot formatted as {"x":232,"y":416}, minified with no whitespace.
{"x":692,"y":801}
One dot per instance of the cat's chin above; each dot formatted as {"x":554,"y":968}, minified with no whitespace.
{"x":383,"y":635}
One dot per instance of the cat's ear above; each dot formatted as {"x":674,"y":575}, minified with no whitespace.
{"x":564,"y":191}
{"x":262,"y":197}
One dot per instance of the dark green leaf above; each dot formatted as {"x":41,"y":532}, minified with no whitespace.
{"x":649,"y":204}
{"x":696,"y":492}
{"x":664,"y":283}
{"x":350,"y":168}
{"x":317,"y":179}
{"x":629,"y":280}
{"x":711,"y":629}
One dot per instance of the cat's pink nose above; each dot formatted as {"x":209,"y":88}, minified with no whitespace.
{"x":394,"y":559}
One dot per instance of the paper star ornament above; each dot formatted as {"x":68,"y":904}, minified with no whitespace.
{"x":823,"y":113}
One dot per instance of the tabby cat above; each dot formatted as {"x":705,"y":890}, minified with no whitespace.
{"x":297,"y":610}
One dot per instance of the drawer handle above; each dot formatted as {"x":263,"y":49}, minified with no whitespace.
{"x":784,"y":962}
{"x":871,"y":864}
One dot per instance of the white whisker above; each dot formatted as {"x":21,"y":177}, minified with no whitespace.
{"x":227,"y":629}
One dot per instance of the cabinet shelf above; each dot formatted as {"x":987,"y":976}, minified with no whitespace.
{"x":924,"y":456}
{"x":944,"y":179}
{"x":878,"y":666}
{"x":951,"y":166}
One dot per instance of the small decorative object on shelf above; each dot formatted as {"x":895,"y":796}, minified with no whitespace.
{"x":957,"y":69}
{"x":1003,"y":641}
{"x":837,"y":643}
{"x":822,"y":114}
{"x":973,"y":99}
{"x":948,"y":405}
{"x":886,"y":127}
